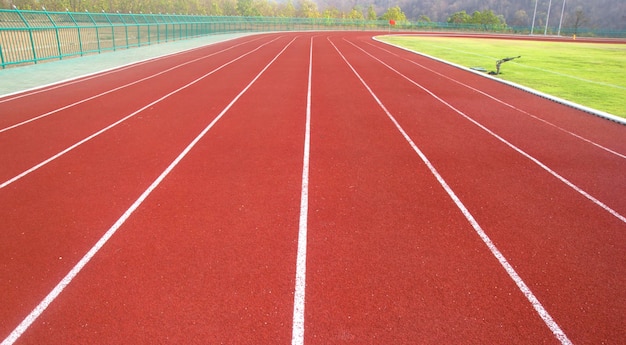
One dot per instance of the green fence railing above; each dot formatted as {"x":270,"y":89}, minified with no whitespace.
{"x":28,"y":37}
{"x":34,"y":36}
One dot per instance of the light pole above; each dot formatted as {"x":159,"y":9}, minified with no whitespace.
{"x":561,"y":21}
{"x":532,"y":28}
{"x":545,"y":32}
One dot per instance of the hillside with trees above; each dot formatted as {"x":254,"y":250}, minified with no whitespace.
{"x":594,"y":14}
{"x":597,"y":14}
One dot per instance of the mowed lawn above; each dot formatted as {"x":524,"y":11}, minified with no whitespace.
{"x":590,"y":74}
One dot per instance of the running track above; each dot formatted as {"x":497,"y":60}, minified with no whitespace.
{"x":307,"y":188}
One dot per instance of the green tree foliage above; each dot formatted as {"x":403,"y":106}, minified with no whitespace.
{"x":424,"y":19}
{"x":229,"y":7}
{"x":331,"y":12}
{"x":308,"y":9}
{"x":394,"y":13}
{"x":215,"y":9}
{"x":607,"y":14}
{"x":288,"y":10}
{"x":356,"y":14}
{"x":460,"y":17}
{"x":485,"y":18}
{"x":265,"y":8}
{"x":246,"y":8}
{"x":371,"y":13}
{"x":521,"y":18}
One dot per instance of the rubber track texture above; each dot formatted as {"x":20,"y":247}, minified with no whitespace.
{"x":210,"y":255}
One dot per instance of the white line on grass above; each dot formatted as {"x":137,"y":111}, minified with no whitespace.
{"x":43,"y":305}
{"x":297,"y":337}
{"x":554,"y":327}
{"x":504,"y":141}
{"x":70,"y":148}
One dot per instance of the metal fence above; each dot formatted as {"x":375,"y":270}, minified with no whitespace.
{"x":35,"y":36}
{"x":28,"y":37}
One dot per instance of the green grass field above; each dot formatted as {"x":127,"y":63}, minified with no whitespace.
{"x":590,"y":74}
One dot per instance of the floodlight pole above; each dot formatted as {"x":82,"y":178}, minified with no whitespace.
{"x":532,"y":28}
{"x":545,"y":32}
{"x":561,"y":21}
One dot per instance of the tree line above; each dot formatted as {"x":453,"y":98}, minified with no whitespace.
{"x":486,"y":17}
{"x":595,"y":14}
{"x":266,"y":8}
{"x":605,"y":14}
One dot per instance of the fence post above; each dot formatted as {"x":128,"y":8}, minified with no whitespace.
{"x":125,"y":29}
{"x":30,"y":34}
{"x":175,"y":23}
{"x":166,"y":27}
{"x":80,"y":40}
{"x":112,"y":28}
{"x":56,"y":30}
{"x":158,"y":26}
{"x":183,"y":25}
{"x":138,"y":28}
{"x":180,"y":26}
{"x":189,"y":27}
{"x":145,"y":19}
{"x":97,"y":31}
{"x":2,"y":57}
{"x":172,"y":29}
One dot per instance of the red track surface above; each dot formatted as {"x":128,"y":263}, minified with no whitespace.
{"x":196,"y":201}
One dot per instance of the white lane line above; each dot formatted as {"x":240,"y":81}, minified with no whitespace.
{"x":79,"y":79}
{"x":115,"y":89}
{"x":504,"y":103}
{"x":70,"y":148}
{"x":43,"y":305}
{"x":504,"y":141}
{"x":297,"y":337}
{"x":545,"y":316}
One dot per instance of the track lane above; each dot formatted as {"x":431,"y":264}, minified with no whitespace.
{"x":207,"y":257}
{"x":53,"y":216}
{"x":589,"y":167}
{"x":93,"y":87}
{"x":554,"y":237}
{"x":19,"y":107}
{"x":391,"y":260}
{"x":77,"y":125}
{"x":73,"y":125}
{"x":379,"y":270}
{"x":595,"y":129}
